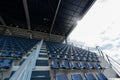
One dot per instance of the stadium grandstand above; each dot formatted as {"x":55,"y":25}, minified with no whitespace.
{"x":32,"y":33}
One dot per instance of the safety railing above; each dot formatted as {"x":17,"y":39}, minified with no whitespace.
{"x":113,"y":63}
{"x":25,"y":70}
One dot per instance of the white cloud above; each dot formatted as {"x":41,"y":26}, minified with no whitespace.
{"x":100,"y":26}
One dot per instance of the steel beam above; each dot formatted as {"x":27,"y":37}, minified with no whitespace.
{"x":27,"y":13}
{"x":2,"y":21}
{"x":55,"y":16}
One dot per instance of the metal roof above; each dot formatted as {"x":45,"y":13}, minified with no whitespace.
{"x":57,"y":17}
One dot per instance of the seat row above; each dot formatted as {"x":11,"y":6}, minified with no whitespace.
{"x":74,"y":65}
{"x":15,"y":47}
{"x":64,"y":49}
{"x":10,"y":43}
{"x":10,"y":54}
{"x":6,"y":64}
{"x":69,"y":54}
{"x":74,"y":58}
{"x":88,"y":76}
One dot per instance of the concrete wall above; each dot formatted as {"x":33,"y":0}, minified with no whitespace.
{"x":14,"y":31}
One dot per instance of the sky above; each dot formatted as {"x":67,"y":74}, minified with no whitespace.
{"x":100,"y":26}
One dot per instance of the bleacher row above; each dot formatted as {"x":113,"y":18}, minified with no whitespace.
{"x":88,"y":76}
{"x":73,"y":58}
{"x":74,"y":65}
{"x":68,"y":57}
{"x":68,"y":52}
{"x":6,"y":64}
{"x":12,"y":48}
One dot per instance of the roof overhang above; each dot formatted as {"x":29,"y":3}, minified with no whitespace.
{"x":52,"y":17}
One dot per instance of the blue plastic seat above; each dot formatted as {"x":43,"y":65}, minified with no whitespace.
{"x":79,"y":58}
{"x":6,"y":64}
{"x":55,"y":64}
{"x":52,"y":56}
{"x":74,"y":65}
{"x":8,"y":48}
{"x":76,"y":58}
{"x":1,"y":64}
{"x":61,"y":77}
{"x":59,"y":56}
{"x":83,"y":65}
{"x":89,"y":59}
{"x":101,"y":76}
{"x":7,"y":60}
{"x":16,"y":48}
{"x":90,"y":66}
{"x":95,"y":59}
{"x":66,"y":57}
{"x":89,"y":76}
{"x":65,"y":65}
{"x":73,"y":57}
{"x":6,"y":54}
{"x":76,"y":77}
{"x":18,"y":55}
{"x":98,"y":66}
{"x":84,"y":59}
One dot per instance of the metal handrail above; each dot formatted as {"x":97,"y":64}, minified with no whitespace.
{"x":113,"y":63}
{"x":25,"y":70}
{"x":114,"y":60}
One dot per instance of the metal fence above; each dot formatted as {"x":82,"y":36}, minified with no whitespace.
{"x":113,"y":63}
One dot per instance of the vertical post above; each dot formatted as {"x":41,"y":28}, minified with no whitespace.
{"x":102,"y":53}
{"x":88,"y":49}
{"x":108,"y":59}
{"x":30,"y":36}
{"x":2,"y":75}
{"x":99,"y":51}
{"x":66,"y":42}
{"x":54,"y":74}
